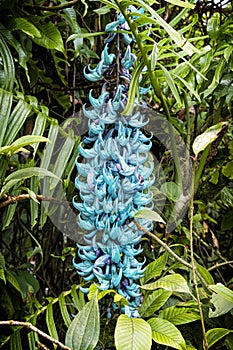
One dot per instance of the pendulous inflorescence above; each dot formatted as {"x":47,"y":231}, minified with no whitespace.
{"x":115,"y":173}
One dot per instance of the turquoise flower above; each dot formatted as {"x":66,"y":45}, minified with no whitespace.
{"x":115,"y":173}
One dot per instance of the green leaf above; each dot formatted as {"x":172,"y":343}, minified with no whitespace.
{"x":132,"y":334}
{"x":16,"y":120}
{"x":171,"y":190}
{"x":25,"y":26}
{"x":102,"y":10}
{"x":14,"y":282}
{"x":222,"y":300}
{"x":155,"y":268}
{"x":153,"y":302}
{"x":207,"y":137}
{"x":150,"y":215}
{"x":2,"y":275}
{"x":181,"y":3}
{"x":50,"y":36}
{"x":84,"y":35}
{"x":78,"y":299}
{"x":189,"y":87}
{"x":50,"y":321}
{"x":165,"y":333}
{"x":8,"y":66}
{"x":227,"y":170}
{"x":215,"y":334}
{"x":83,"y":332}
{"x":205,"y":274}
{"x":133,"y":88}
{"x":179,"y":39}
{"x":22,"y":142}
{"x":6,"y":99}
{"x":22,"y":174}
{"x":64,"y":311}
{"x":213,"y":25}
{"x":27,"y":282}
{"x":174,"y":283}
{"x":172,"y":86}
{"x":179,"y":315}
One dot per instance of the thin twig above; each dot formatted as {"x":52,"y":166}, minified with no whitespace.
{"x":169,"y":250}
{"x":28,"y":325}
{"x":51,"y":8}
{"x":221,"y":264}
{"x":22,"y":197}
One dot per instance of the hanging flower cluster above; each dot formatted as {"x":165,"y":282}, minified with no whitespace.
{"x":115,"y":172}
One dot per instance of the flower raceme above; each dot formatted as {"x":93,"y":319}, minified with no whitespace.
{"x":115,"y":173}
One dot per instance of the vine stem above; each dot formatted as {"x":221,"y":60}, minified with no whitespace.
{"x":192,"y":255}
{"x":28,"y":325}
{"x":169,"y":250}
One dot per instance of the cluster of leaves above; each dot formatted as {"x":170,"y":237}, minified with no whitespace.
{"x":43,"y":50}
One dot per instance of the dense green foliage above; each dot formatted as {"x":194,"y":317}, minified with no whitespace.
{"x":186,"y":54}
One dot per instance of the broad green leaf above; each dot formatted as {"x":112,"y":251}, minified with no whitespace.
{"x":153,"y":302}
{"x":10,"y":277}
{"x":227,"y":170}
{"x":27,"y":282}
{"x":205,"y":274}
{"x":213,"y":25}
{"x":171,"y":190}
{"x":179,"y":315}
{"x":225,"y":292}
{"x":215,"y":334}
{"x":172,"y":86}
{"x":150,"y":215}
{"x":22,"y":142}
{"x":50,"y":321}
{"x":180,"y":3}
{"x":21,"y":174}
{"x":155,"y":268}
{"x":133,"y":88}
{"x":25,"y":26}
{"x":50,"y":36}
{"x":165,"y":333}
{"x":222,"y":300}
{"x":83,"y":332}
{"x":174,"y":283}
{"x":132,"y":334}
{"x":207,"y":137}
{"x":64,"y":311}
